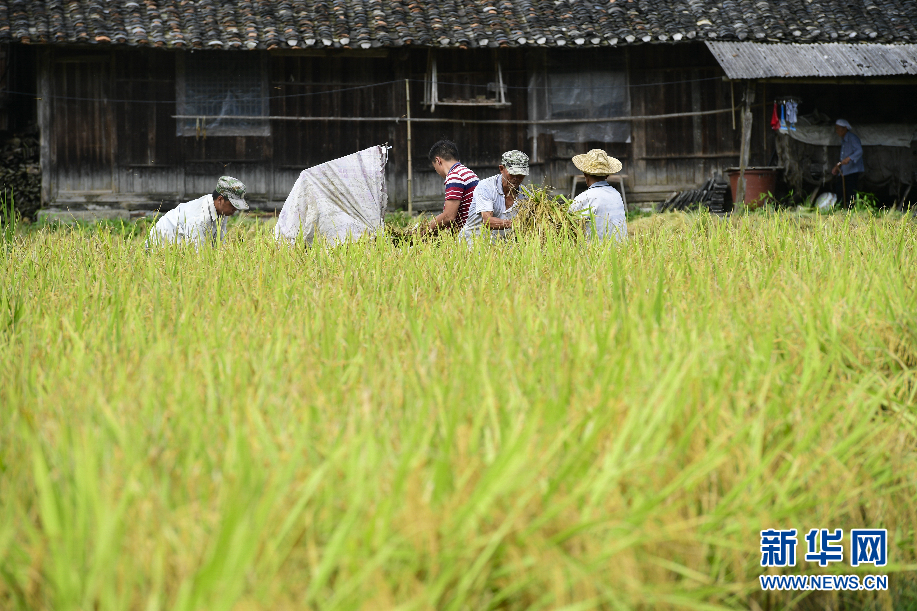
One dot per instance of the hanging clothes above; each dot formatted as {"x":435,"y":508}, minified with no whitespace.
{"x":775,"y":119}
{"x":791,"y":107}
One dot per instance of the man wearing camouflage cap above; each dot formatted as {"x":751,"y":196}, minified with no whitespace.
{"x":600,"y":200}
{"x":492,"y":207}
{"x":201,"y":218}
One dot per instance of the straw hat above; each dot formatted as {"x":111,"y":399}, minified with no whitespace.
{"x":597,"y":163}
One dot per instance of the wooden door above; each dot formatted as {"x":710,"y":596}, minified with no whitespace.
{"x":82,"y":125}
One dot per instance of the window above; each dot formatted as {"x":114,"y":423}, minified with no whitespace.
{"x":217,"y":84}
{"x":581,"y":90}
{"x":464,"y":84}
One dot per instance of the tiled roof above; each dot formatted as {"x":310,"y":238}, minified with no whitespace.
{"x":269,"y":24}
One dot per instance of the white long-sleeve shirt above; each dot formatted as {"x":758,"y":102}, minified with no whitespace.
{"x":192,"y":221}
{"x":489,"y":197}
{"x":607,"y":210}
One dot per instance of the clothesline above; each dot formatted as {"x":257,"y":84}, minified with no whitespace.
{"x":446,"y":120}
{"x":36,"y":96}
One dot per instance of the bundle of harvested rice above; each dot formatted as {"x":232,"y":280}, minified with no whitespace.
{"x":541,"y":214}
{"x":409,"y":233}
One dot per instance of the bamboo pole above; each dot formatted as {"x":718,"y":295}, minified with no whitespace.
{"x":732,"y":95}
{"x":407,"y":92}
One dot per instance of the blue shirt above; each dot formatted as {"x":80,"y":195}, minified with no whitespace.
{"x":853,"y":148}
{"x":607,"y":210}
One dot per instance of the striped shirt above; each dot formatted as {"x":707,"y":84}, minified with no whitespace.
{"x":459,"y":184}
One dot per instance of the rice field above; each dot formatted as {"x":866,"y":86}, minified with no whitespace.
{"x":520,"y":426}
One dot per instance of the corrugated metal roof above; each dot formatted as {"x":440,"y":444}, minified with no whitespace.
{"x":749,"y":60}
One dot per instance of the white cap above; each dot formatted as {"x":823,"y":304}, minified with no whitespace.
{"x":843,"y":123}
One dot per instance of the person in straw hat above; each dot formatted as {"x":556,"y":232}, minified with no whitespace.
{"x":603,"y":201}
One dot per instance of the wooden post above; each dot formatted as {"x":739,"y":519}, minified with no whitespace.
{"x":110,"y":108}
{"x":407,"y":91}
{"x":732,"y":95}
{"x":746,"y":142}
{"x":700,"y":167}
{"x":638,"y":130}
{"x":44,"y":123}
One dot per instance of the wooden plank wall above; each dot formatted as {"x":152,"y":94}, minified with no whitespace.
{"x":149,"y":153}
{"x":4,"y":87}
{"x":679,"y":153}
{"x":19,"y":110}
{"x":462,"y":75}
{"x":83,"y":142}
{"x":112,"y":138}
{"x":316,"y":85}
{"x":667,"y":154}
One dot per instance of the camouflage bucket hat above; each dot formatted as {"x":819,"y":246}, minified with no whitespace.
{"x":515,"y":162}
{"x":233,"y":190}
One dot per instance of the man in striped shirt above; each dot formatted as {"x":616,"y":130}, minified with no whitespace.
{"x":458,"y":182}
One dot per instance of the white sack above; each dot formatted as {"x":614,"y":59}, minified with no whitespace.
{"x":337,"y":199}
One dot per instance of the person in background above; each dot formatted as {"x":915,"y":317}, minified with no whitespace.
{"x":850,"y":167}
{"x":458,"y":183}
{"x":201,"y":218}
{"x":492,"y":205}
{"x":600,"y":200}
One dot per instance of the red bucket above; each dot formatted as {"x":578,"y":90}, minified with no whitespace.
{"x":758,"y":181}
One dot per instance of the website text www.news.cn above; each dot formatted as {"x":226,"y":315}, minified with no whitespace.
{"x":823,"y":582}
{"x":824,"y":546}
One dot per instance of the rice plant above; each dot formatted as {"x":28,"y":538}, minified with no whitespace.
{"x":528,"y":425}
{"x":9,"y":217}
{"x":403,"y":229}
{"x":547,"y":217}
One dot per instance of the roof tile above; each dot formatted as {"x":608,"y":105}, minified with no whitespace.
{"x":267,"y":24}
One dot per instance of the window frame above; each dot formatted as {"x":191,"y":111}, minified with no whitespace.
{"x":184,"y":127}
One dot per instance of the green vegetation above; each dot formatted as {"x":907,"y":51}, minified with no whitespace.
{"x":519,"y":426}
{"x":400,"y":219}
{"x":9,"y":217}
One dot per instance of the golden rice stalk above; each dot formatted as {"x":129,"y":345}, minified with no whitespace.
{"x":541,"y":214}
{"x":408,"y":234}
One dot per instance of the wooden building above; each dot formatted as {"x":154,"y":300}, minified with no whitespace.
{"x":143,"y":105}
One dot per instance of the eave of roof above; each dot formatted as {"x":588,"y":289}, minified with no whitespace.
{"x":366,"y":24}
{"x":748,"y":60}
